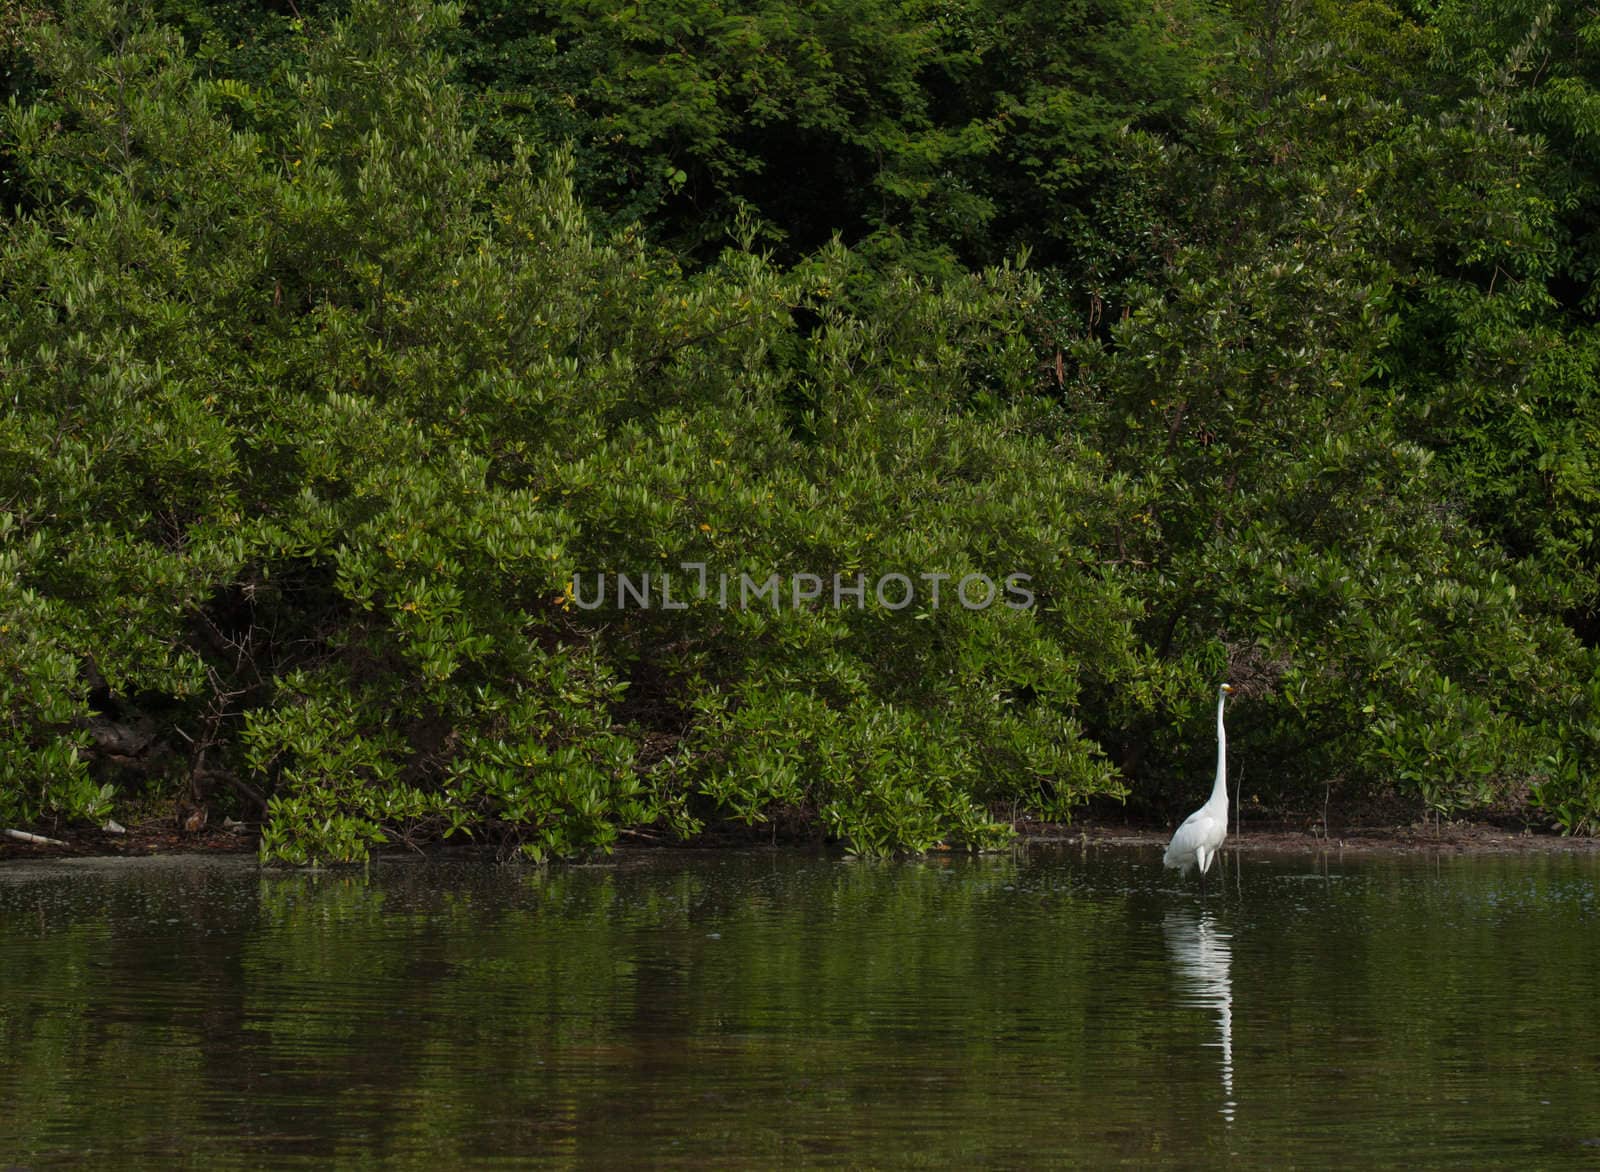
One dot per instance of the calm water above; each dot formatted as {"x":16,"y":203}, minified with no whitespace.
{"x":1056,"y":1008}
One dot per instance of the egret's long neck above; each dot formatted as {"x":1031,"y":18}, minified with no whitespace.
{"x":1219,"y":791}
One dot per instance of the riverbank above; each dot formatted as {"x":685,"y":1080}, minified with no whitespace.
{"x":161,"y":836}
{"x":1447,"y":837}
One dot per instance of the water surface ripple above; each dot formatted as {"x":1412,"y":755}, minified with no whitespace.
{"x":1053,"y":1008}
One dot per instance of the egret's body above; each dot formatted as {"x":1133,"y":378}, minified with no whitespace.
{"x":1200,"y":837}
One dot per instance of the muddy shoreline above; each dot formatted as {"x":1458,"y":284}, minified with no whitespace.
{"x":1449,"y":838}
{"x":162,"y":838}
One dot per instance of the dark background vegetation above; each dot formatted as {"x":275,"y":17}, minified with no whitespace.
{"x":335,"y":340}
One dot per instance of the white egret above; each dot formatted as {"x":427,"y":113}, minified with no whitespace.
{"x":1202,"y":832}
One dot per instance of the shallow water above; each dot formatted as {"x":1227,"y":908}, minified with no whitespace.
{"x":1053,"y":1008}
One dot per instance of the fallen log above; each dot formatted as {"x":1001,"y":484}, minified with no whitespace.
{"x":34,"y":839}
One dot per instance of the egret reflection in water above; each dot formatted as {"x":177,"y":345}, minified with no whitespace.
{"x":1203,"y":956}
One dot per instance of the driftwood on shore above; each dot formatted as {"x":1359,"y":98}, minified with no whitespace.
{"x":35,"y":839}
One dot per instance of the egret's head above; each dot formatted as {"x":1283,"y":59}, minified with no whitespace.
{"x":1227,"y":689}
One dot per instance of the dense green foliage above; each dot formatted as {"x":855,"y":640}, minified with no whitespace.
{"x":924,"y":130}
{"x":339,"y":374}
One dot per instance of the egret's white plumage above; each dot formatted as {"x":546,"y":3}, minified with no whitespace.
{"x":1198,"y":839}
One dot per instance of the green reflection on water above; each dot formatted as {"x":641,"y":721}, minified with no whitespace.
{"x":1055,"y":1008}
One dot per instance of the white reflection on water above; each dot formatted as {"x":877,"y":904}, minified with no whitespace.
{"x":1203,"y":956}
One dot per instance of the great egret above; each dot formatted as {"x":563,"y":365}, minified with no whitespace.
{"x":1202,"y":832}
